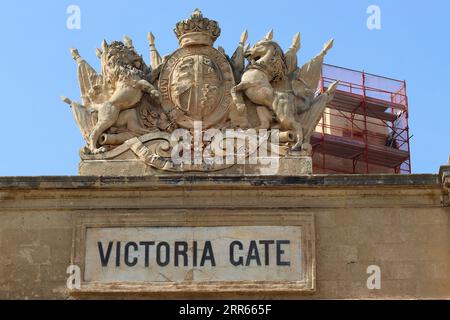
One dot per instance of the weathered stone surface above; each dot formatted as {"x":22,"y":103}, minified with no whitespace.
{"x":286,"y":166}
{"x":382,"y":181}
{"x":397,"y":222}
{"x":198,"y":254}
{"x":220,"y":228}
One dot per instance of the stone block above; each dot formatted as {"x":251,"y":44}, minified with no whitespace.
{"x":290,"y":165}
{"x":337,"y":252}
{"x":399,"y":271}
{"x":15,"y":237}
{"x":375,"y":217}
{"x":326,"y":219}
{"x":34,"y":254}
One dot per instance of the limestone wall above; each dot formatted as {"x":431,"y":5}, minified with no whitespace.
{"x":400,"y":223}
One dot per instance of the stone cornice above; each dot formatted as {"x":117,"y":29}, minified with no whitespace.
{"x":228,"y":192}
{"x":221,"y":182}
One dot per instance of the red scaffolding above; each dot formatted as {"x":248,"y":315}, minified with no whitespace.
{"x":365,"y":127}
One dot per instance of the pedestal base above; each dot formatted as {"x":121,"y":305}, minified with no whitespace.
{"x":291,"y":165}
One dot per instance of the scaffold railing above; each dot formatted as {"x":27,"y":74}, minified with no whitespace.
{"x":366,"y":124}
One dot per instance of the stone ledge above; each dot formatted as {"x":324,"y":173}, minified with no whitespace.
{"x":155,"y":289}
{"x":111,"y":182}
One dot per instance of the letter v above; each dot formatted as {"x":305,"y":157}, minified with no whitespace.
{"x":104,"y":259}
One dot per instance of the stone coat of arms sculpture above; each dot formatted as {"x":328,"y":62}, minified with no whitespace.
{"x":131,"y":111}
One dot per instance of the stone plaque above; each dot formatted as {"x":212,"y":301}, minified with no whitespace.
{"x":178,"y":252}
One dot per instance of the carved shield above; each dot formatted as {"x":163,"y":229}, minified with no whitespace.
{"x":197,"y":81}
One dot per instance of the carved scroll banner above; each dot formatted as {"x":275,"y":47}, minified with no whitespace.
{"x":150,"y":256}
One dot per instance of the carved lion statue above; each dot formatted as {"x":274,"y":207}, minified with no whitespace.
{"x":113,"y":95}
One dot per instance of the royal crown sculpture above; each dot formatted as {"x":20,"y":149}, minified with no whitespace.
{"x":151,"y":114}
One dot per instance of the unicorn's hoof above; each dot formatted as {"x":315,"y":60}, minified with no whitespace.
{"x":297,"y":147}
{"x":307,"y":148}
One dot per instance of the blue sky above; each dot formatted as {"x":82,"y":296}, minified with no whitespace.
{"x":40,"y":136}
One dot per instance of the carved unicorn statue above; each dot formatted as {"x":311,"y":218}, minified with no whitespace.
{"x":285,"y":96}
